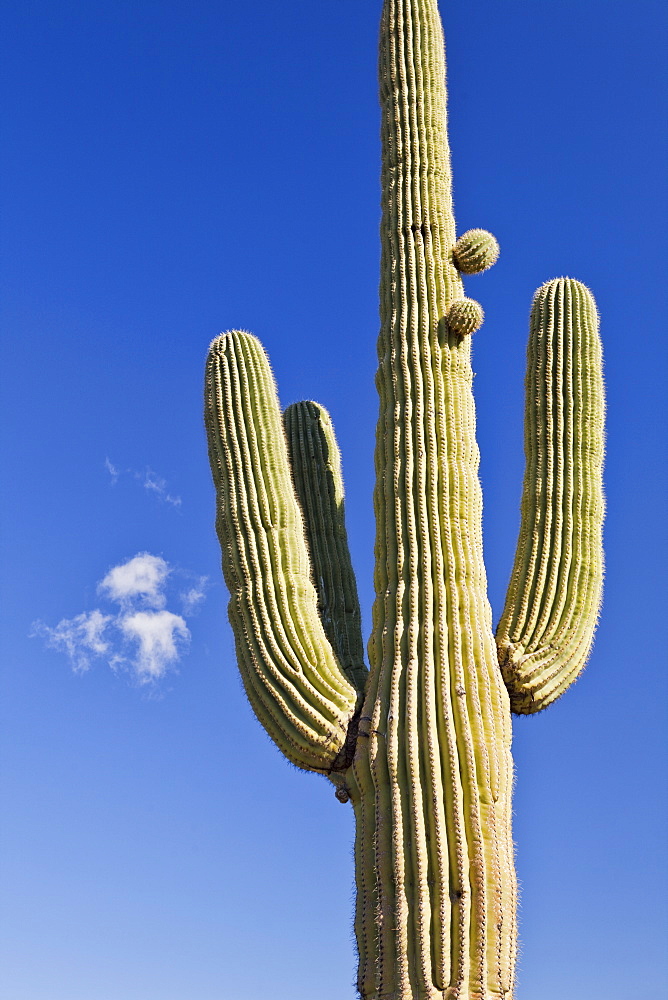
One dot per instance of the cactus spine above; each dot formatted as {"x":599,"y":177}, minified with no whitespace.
{"x":420,"y":744}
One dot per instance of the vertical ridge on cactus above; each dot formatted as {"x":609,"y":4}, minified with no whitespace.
{"x":421,"y":743}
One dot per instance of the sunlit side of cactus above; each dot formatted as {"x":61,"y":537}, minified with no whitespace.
{"x":421,"y":743}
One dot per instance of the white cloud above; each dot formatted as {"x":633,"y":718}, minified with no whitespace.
{"x":116,"y":661}
{"x":112,"y":470}
{"x":194,"y":596}
{"x":144,"y":576}
{"x":157,"y":485}
{"x":158,"y":635}
{"x":149,"y":479}
{"x":141,"y":635}
{"x":79,"y":637}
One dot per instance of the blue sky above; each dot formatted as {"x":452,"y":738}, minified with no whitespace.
{"x":172,"y":170}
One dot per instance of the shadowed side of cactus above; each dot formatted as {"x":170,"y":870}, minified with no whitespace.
{"x":421,"y":742}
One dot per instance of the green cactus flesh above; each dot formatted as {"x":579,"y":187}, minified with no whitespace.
{"x":421,"y":743}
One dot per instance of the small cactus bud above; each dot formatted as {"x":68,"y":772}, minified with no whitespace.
{"x":475,"y":251}
{"x":465,"y":317}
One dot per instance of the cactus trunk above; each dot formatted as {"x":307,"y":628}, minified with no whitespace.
{"x":421,"y":743}
{"x":433,"y":772}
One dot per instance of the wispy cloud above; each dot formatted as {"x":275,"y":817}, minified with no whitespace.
{"x":81,"y":638}
{"x":141,"y":636}
{"x":112,"y":470}
{"x":157,"y":485}
{"x":193,"y":597}
{"x":149,"y":479}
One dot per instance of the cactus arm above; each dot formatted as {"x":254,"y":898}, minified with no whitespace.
{"x":546,"y":630}
{"x":432,"y":774}
{"x":290,"y":672}
{"x":316,"y":472}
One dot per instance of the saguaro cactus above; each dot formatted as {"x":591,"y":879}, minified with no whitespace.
{"x":421,"y":743}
